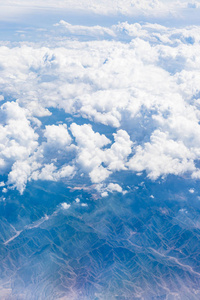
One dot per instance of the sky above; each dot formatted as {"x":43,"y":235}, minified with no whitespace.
{"x":94,"y":94}
{"x":138,"y":80}
{"x":43,"y":13}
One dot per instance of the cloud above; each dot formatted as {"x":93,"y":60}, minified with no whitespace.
{"x":89,"y":151}
{"x":87,"y":138}
{"x":114,"y":187}
{"x":65,"y":205}
{"x":141,"y":87}
{"x":99,"y":174}
{"x":23,"y":171}
{"x":111,"y":187}
{"x":116,"y":157}
{"x":57,"y":136}
{"x":128,"y":7}
{"x":78,"y":30}
{"x":19,"y":174}
{"x":52,"y":173}
{"x":92,"y":153}
{"x":18,"y":140}
{"x":165,"y":8}
{"x":162,"y":156}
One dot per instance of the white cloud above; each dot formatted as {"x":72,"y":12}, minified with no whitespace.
{"x":66,"y":171}
{"x":99,"y":174}
{"x":52,"y":173}
{"x":65,"y":205}
{"x":57,"y":136}
{"x":146,"y":89}
{"x":84,"y":30}
{"x":17,"y":138}
{"x":91,"y":154}
{"x":114,"y":187}
{"x":103,"y":189}
{"x":104,"y":194}
{"x":86,"y":137}
{"x":117,"y":155}
{"x":162,"y":156}
{"x":19,"y":175}
{"x":37,"y":109}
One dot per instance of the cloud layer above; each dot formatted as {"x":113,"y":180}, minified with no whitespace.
{"x":128,"y":7}
{"x":138,"y":82}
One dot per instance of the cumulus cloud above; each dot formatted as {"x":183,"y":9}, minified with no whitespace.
{"x":92,"y":154}
{"x":116,"y":157}
{"x":19,"y":174}
{"x":114,"y":187}
{"x":52,"y":173}
{"x":162,"y":156}
{"x":21,"y":154}
{"x":65,"y":205}
{"x":18,"y":140}
{"x":110,"y":188}
{"x":57,"y":136}
{"x":142,"y":87}
{"x":23,"y":171}
{"x":87,"y":138}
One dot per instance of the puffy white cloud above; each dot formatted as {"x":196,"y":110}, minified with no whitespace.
{"x":65,"y":205}
{"x":19,"y":175}
{"x":21,"y":152}
{"x":23,"y":171}
{"x":103,"y":189}
{"x":37,"y":109}
{"x":52,"y":173}
{"x":66,"y":171}
{"x":114,"y":187}
{"x":117,"y":155}
{"x":162,"y":156}
{"x":18,"y":140}
{"x":104,"y":194}
{"x":86,"y":137}
{"x":57,"y":136}
{"x":91,"y":154}
{"x":99,"y":174}
{"x":144,"y":83}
